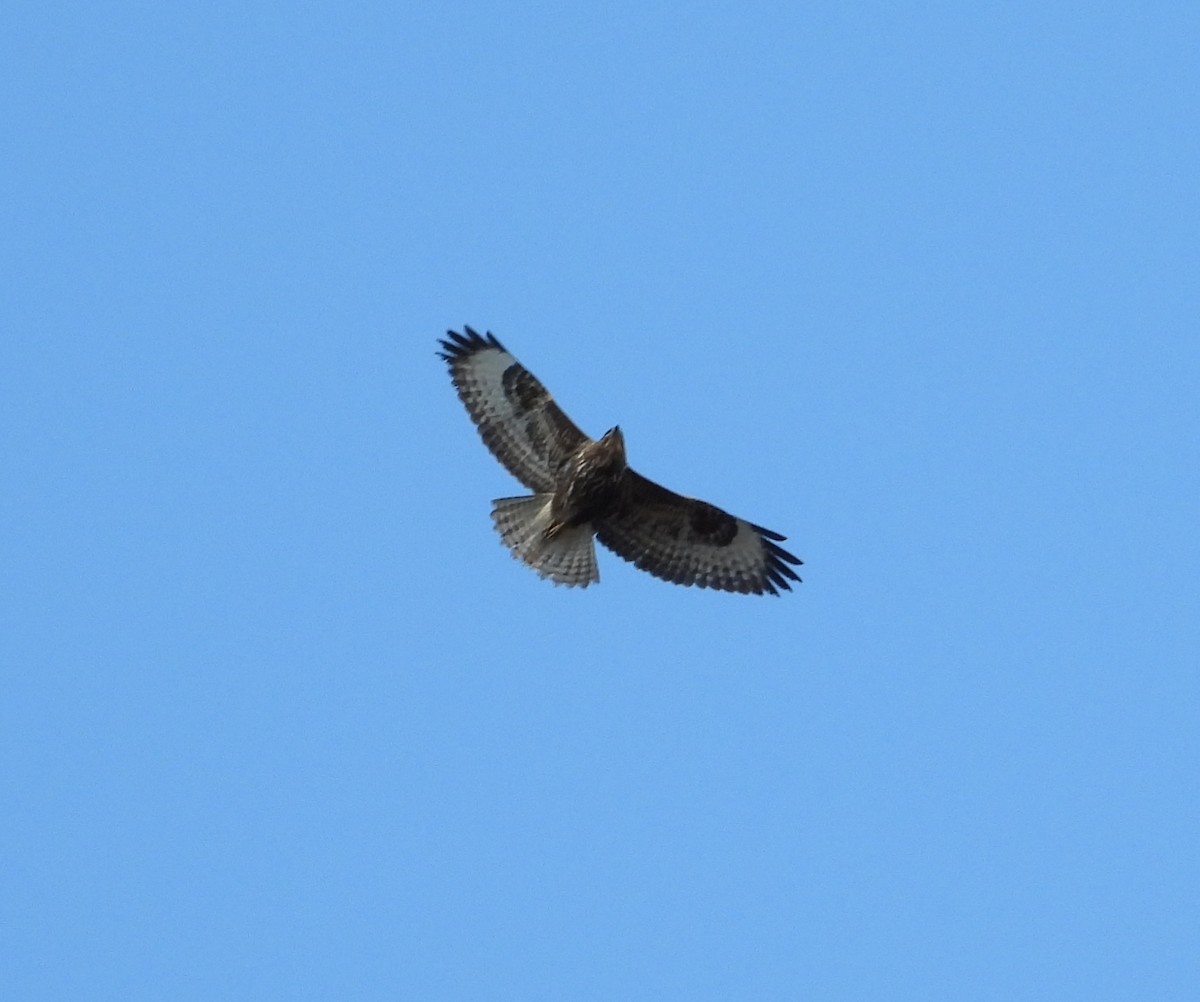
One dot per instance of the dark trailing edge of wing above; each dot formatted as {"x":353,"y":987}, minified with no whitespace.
{"x":777,"y":570}
{"x":461,"y":345}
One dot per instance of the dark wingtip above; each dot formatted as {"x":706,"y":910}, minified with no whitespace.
{"x":778,"y":573}
{"x":456,"y":346}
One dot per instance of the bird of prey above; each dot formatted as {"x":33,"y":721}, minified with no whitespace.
{"x":584,"y":487}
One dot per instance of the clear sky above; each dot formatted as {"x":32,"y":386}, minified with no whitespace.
{"x":917,"y":285}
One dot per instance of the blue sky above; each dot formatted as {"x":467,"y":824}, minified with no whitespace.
{"x":916,"y":285}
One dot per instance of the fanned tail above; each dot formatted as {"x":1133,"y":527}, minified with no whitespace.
{"x":568,"y":557}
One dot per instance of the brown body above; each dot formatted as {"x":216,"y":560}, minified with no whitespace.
{"x":593,"y":485}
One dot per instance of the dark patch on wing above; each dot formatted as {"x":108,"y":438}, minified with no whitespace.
{"x":711,"y":525}
{"x":522,"y":389}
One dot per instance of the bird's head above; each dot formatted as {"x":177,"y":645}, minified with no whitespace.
{"x":612,"y":446}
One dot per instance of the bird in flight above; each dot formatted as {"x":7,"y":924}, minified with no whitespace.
{"x":583,"y":487}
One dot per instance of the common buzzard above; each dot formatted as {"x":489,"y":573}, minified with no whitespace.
{"x":584,"y":487}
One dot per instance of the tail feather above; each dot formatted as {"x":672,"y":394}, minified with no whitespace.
{"x":568,"y":558}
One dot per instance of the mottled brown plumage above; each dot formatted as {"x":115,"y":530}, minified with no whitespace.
{"x":584,"y":487}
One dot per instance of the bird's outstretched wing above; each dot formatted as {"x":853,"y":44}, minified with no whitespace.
{"x":517,"y":418}
{"x":691,"y":542}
